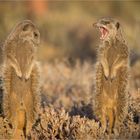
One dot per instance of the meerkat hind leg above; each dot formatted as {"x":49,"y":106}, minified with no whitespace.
{"x":111,"y":120}
{"x":20,"y":124}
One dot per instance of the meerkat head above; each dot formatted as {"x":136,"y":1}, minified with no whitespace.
{"x":108,"y":28}
{"x":26,"y":31}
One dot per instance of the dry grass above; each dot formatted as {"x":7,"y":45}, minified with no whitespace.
{"x":67,"y":111}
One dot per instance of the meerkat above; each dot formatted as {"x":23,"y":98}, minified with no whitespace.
{"x":21,"y":99}
{"x":111,"y":75}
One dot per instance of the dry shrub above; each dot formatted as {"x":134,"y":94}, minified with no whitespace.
{"x":69,"y":90}
{"x":5,"y":128}
{"x":57,"y":124}
{"x":66,"y":85}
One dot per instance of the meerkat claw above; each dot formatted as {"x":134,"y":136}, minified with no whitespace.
{"x":27,"y":76}
{"x":19,"y":74}
{"x":106,"y":78}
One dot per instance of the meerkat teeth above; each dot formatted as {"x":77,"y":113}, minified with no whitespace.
{"x":111,"y":76}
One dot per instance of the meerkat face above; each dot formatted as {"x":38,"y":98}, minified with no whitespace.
{"x":29,"y":33}
{"x":26,"y":31}
{"x":108,"y":28}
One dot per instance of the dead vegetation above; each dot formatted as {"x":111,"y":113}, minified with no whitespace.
{"x":67,"y":111}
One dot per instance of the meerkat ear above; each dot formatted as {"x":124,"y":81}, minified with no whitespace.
{"x":117,"y":25}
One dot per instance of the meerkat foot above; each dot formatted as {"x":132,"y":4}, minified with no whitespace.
{"x":19,"y":134}
{"x":28,"y":128}
{"x":103,"y":124}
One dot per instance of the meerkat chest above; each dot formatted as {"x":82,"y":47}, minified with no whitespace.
{"x":111,"y":54}
{"x":24,"y":54}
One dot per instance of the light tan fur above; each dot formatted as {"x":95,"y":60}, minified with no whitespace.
{"x":111,"y":78}
{"x":21,"y":78}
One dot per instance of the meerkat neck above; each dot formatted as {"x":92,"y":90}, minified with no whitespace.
{"x":111,"y":41}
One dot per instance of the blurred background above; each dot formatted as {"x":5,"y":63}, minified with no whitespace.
{"x":67,"y":35}
{"x":66,"y":26}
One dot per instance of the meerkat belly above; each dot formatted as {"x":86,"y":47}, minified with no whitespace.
{"x":110,"y":100}
{"x":21,"y":89}
{"x":111,"y":55}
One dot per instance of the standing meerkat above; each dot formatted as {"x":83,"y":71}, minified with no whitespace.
{"x":111,"y":75}
{"x":21,"y":99}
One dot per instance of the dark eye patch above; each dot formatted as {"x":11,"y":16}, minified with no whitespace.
{"x":26,"y":27}
{"x":35,"y":35}
{"x":105,"y":22}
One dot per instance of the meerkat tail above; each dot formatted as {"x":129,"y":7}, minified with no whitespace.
{"x":6,"y":87}
{"x":122,"y":106}
{"x":98,"y":100}
{"x":35,"y":87}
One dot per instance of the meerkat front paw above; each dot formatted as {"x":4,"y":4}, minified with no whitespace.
{"x":113,"y":74}
{"x":106,"y":73}
{"x":28,"y":71}
{"x":19,"y":73}
{"x":27,"y":75}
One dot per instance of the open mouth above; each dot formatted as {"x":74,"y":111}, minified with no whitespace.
{"x":104,"y":32}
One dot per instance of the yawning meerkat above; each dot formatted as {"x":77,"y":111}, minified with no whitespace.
{"x":111,"y":74}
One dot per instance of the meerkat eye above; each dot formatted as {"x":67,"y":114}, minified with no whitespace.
{"x":117,"y":25}
{"x":35,"y":34}
{"x":26,"y":27}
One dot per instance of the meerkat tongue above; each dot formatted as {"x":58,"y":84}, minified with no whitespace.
{"x":103,"y":32}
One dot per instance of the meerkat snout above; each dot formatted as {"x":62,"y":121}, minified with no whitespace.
{"x":108,"y":28}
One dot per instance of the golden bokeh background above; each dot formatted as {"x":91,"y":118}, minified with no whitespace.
{"x":66,"y":26}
